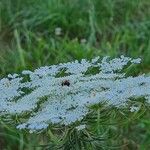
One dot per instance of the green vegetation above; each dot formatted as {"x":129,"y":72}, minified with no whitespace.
{"x":89,"y":28}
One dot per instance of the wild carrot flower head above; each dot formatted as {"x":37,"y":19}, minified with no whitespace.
{"x":62,"y":94}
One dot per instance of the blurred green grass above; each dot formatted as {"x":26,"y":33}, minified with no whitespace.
{"x":28,"y":41}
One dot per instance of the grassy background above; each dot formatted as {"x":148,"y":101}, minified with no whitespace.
{"x":28,"y":40}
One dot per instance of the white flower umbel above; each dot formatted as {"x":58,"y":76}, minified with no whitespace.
{"x":81,"y":127}
{"x":61,"y":94}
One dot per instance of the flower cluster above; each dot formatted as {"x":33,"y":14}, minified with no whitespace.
{"x":62,"y":94}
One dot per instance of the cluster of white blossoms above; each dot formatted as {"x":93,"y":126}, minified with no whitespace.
{"x":62,"y":94}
